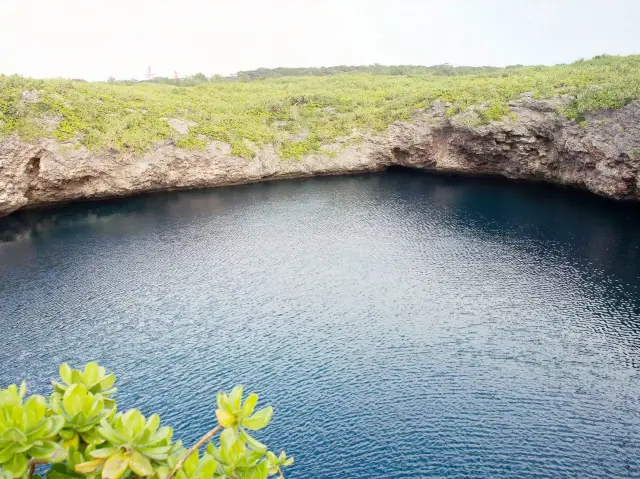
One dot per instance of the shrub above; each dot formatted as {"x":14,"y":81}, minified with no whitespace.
{"x":495,"y":111}
{"x":329,"y":103}
{"x":79,"y":432}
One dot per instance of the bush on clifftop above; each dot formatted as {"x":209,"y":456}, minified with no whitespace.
{"x":276,"y":109}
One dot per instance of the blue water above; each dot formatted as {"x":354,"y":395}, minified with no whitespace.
{"x":403,"y":325}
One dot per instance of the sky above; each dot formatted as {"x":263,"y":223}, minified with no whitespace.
{"x":97,"y":39}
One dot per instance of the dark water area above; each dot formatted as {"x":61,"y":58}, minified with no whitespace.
{"x":403,"y":325}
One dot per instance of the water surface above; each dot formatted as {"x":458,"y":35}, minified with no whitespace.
{"x":403,"y":325}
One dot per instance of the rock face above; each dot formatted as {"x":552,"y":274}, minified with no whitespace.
{"x":602,"y":156}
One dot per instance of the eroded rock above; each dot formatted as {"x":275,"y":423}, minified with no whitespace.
{"x":181,"y":126}
{"x":602,"y":156}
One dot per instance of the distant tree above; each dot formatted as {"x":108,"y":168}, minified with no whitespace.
{"x":200,"y":77}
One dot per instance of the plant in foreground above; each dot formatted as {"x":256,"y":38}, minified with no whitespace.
{"x":80,"y":434}
{"x":27,"y":432}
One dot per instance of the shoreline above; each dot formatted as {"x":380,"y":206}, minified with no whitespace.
{"x":601,"y":156}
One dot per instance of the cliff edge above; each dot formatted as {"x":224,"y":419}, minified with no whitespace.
{"x":600,"y":154}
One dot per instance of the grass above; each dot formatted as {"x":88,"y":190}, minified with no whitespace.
{"x":248,"y":114}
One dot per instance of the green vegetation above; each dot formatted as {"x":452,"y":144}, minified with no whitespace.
{"x":445,"y":70}
{"x":270,"y":107}
{"x":81,"y":435}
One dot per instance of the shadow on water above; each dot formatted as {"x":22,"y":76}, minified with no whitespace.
{"x":596,"y":239}
{"x":26,"y":224}
{"x":602,"y":233}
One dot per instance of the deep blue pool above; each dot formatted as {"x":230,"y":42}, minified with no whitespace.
{"x":403,"y":325}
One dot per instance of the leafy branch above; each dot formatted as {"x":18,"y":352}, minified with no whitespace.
{"x":194,"y":448}
{"x":79,"y":432}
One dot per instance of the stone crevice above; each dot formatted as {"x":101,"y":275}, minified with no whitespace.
{"x":32,"y":172}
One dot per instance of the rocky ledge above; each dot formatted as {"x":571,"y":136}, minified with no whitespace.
{"x":600,"y":154}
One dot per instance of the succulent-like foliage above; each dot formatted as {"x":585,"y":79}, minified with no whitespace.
{"x":83,"y":437}
{"x":194,"y":467}
{"x":134,"y":443}
{"x":82,"y":412}
{"x":27,"y":431}
{"x":239,"y":453}
{"x":232,"y":412}
{"x":237,"y":458}
{"x":93,"y":377}
{"x":277,"y":462}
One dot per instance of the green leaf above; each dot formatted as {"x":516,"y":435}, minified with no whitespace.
{"x":227,"y":439}
{"x":14,"y":434}
{"x":67,"y":434}
{"x":133,"y":422}
{"x":73,"y":457}
{"x":17,"y":465}
{"x":162,"y":472}
{"x":163,"y":434}
{"x":115,"y":466}
{"x":7,"y":453}
{"x":89,"y":467}
{"x":260,"y":471}
{"x":252,"y":442}
{"x":91,"y":374}
{"x":103,"y":453}
{"x":156,"y":453}
{"x":58,"y":388}
{"x":140,"y":465}
{"x":41,"y":430}
{"x":223,"y":402}
{"x":250,"y":458}
{"x":72,"y":399}
{"x":76,"y":376}
{"x":44,"y":451}
{"x":62,"y":475}
{"x":207,"y":467}
{"x":107,"y":383}
{"x":56,"y":423}
{"x":190,"y":465}
{"x":225,"y":418}
{"x":35,"y":407}
{"x":153,"y":423}
{"x":65,"y":373}
{"x":235,"y":397}
{"x":109,"y":433}
{"x":92,"y":437}
{"x":259,"y":420}
{"x":23,"y":389}
{"x":249,"y":405}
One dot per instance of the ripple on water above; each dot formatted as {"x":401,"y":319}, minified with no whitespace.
{"x":403,"y":325}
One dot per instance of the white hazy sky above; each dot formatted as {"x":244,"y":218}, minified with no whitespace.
{"x":95,"y":39}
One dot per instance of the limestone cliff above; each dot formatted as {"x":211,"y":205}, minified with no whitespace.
{"x":601,"y":154}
